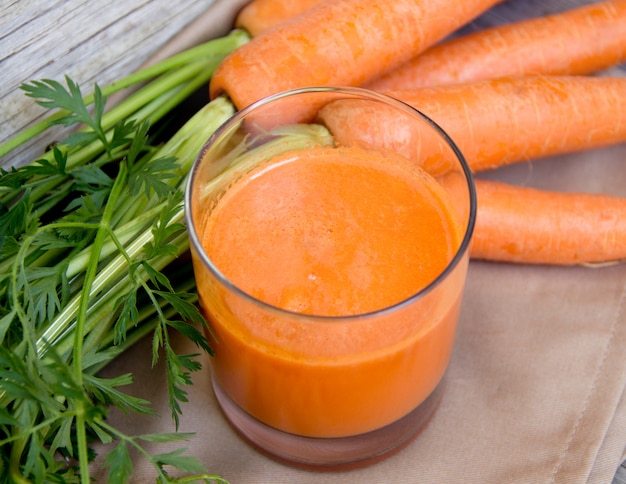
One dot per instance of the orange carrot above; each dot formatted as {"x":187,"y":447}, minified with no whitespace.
{"x":527,"y":225}
{"x":260,"y":15}
{"x":579,"y":41}
{"x":339,"y":42}
{"x":501,"y":121}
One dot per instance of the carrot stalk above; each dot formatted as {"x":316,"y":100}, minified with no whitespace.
{"x":527,"y":225}
{"x":346,"y":42}
{"x":500,"y":121}
{"x":261,"y":15}
{"x":578,"y":41}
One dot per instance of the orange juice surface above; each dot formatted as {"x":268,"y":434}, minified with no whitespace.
{"x":331,"y":232}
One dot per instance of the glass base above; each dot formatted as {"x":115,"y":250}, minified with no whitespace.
{"x":327,"y":454}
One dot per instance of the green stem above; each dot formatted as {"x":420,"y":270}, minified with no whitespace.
{"x":216,"y":48}
{"x":124,"y":234}
{"x":81,"y":438}
{"x":106,"y":276}
{"x":85,"y":294}
{"x":79,"y":156}
{"x":103,"y":309}
{"x":102,"y":335}
{"x":16,"y":269}
{"x":182,"y":92}
{"x":185,"y":144}
{"x":151,"y":91}
{"x":14,"y":467}
{"x":92,"y":270}
{"x":36,"y":427}
{"x":52,"y":201}
{"x":212,"y":50}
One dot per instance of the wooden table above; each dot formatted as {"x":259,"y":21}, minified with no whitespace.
{"x":90,"y":41}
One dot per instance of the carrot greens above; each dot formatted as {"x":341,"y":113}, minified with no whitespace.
{"x":88,"y":234}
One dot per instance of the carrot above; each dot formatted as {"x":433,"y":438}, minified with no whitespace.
{"x":579,"y":41}
{"x":339,"y":42}
{"x":527,"y":225}
{"x":500,"y":121}
{"x":260,"y":15}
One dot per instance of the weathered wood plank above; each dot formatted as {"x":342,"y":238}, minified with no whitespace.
{"x":620,"y":476}
{"x":87,"y":40}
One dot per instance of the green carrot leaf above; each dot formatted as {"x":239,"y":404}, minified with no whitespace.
{"x":165,"y":229}
{"x":95,"y":358}
{"x":52,"y":94}
{"x":99,"y":102}
{"x":166,"y":437}
{"x":192,"y":333}
{"x":152,"y":177}
{"x":189,"y":362}
{"x":119,"y":463}
{"x":88,"y":177}
{"x":138,"y":141}
{"x":44,"y":300}
{"x":105,"y":391}
{"x":45,"y":240}
{"x":6,"y":418}
{"x":90,"y":234}
{"x":124,"y":132}
{"x":102,"y":434}
{"x":157,"y":278}
{"x":12,"y":178}
{"x":16,"y":221}
{"x":180,"y":302}
{"x":80,"y":138}
{"x":6,"y":322}
{"x":9,"y":247}
{"x":129,"y":315}
{"x":36,"y":455}
{"x":63,"y":435}
{"x":181,"y":462}
{"x":41,"y":167}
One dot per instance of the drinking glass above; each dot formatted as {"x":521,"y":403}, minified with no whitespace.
{"x":310,"y":387}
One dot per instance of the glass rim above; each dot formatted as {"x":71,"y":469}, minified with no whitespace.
{"x":356,"y":93}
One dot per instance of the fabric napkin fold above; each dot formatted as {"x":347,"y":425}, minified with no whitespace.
{"x":534,"y":392}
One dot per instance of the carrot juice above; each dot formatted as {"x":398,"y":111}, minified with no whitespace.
{"x":331,"y":267}
{"x":318,"y":243}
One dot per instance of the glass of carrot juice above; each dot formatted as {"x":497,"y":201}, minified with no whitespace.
{"x":329,"y":232}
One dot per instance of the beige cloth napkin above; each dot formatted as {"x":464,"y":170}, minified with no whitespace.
{"x":535,"y":389}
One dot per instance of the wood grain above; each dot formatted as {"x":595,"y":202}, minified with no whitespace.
{"x":87,"y":40}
